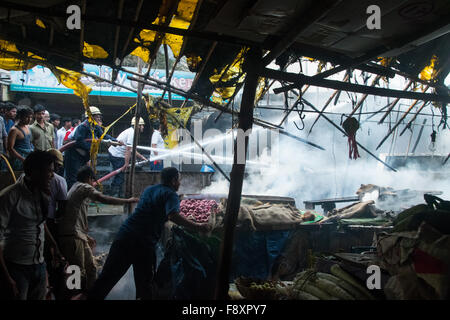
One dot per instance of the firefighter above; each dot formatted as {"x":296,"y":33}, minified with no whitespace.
{"x":78,"y":155}
{"x":120,"y":156}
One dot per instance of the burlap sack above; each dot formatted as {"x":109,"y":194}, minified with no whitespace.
{"x":275,"y":217}
{"x":264,"y":217}
{"x":244,"y":221}
{"x":365,"y":209}
{"x":425,"y":252}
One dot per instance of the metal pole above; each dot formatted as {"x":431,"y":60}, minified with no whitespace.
{"x":400,"y":121}
{"x":237,"y":176}
{"x":346,"y":77}
{"x":413,"y":118}
{"x":419,"y":136}
{"x":166,"y":59}
{"x":394,"y":103}
{"x":299,"y":80}
{"x":135,"y":140}
{"x":181,"y":125}
{"x":364,"y":96}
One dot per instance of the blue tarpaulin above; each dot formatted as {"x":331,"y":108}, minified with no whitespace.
{"x":190,"y":262}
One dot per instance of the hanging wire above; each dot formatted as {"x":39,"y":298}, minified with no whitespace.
{"x":443,"y":121}
{"x":334,"y":163}
{"x":300,"y":113}
{"x":342,"y":117}
{"x":365,"y":77}
{"x":395,"y":135}
{"x":360,"y":112}
{"x":286,"y":99}
{"x":432,"y":119}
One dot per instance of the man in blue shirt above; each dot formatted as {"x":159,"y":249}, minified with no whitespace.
{"x":137,"y":237}
{"x":78,"y":155}
{"x":10,"y":115}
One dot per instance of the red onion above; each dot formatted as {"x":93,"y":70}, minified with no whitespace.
{"x":198,"y":210}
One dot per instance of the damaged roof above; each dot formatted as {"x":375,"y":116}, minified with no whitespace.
{"x":214,"y":35}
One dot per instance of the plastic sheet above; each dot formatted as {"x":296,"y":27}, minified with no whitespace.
{"x":94,"y":52}
{"x":181,"y":20}
{"x":429,"y":71}
{"x":188,"y":269}
{"x":255,"y":253}
{"x":9,"y":62}
{"x":226,"y":80}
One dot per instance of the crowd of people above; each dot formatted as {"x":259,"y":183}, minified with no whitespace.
{"x":24,"y":129}
{"x":43,"y":215}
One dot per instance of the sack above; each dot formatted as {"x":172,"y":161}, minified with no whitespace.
{"x":407,"y":286}
{"x":410,"y":219}
{"x":244,"y":221}
{"x":424,"y":252}
{"x":365,"y":209}
{"x":275,"y":217}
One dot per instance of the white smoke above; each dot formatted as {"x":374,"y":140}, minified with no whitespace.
{"x":306,"y":173}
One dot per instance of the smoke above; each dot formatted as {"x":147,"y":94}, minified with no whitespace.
{"x":305,"y":173}
{"x":103,"y":229}
{"x":294,"y":169}
{"x":124,"y":289}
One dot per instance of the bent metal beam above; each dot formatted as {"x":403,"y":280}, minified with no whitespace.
{"x":299,"y":80}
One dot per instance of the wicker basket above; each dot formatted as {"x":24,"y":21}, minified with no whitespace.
{"x":243,"y":285}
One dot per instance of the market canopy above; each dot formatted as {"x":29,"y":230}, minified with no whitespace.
{"x":215,"y":37}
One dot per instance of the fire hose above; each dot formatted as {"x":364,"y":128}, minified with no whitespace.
{"x":117,"y":171}
{"x":72,"y":143}
{"x":111,"y":174}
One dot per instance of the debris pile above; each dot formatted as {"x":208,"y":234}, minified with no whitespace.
{"x":416,"y":254}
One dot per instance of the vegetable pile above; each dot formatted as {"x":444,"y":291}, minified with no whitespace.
{"x":197,"y":210}
{"x":310,"y":285}
{"x":251,"y":288}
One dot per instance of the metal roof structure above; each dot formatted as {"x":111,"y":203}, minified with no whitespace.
{"x":212,"y":35}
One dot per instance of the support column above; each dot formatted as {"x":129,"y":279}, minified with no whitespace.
{"x":237,"y":175}
{"x":130,"y":185}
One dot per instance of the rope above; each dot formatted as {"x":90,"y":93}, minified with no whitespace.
{"x":9,"y":167}
{"x":95,"y":144}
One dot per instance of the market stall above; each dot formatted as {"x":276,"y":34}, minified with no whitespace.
{"x":279,"y":249}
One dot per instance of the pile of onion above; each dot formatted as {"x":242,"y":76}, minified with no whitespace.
{"x":197,"y":210}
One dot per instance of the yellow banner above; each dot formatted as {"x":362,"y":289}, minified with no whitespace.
{"x":171,"y":140}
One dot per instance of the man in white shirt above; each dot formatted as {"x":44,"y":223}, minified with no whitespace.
{"x":71,"y":132}
{"x":61,"y":133}
{"x":158,"y":143}
{"x":46,"y":115}
{"x":120,"y":156}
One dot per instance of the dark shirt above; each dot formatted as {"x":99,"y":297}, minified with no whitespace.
{"x":9,"y":124}
{"x":84,"y":132}
{"x":23,"y":145}
{"x":147,"y":220}
{"x":3,"y":134}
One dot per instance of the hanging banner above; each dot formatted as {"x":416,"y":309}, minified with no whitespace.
{"x":183,"y":114}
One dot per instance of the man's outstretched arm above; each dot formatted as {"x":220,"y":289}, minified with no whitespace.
{"x":177,"y":218}
{"x":100,"y":197}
